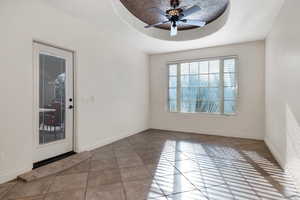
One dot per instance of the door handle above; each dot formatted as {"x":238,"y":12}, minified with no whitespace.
{"x":71,"y":107}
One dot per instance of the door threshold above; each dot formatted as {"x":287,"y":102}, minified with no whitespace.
{"x":56,"y":167}
{"x":53,"y":159}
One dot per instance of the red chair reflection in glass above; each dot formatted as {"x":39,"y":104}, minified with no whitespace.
{"x":54,"y":121}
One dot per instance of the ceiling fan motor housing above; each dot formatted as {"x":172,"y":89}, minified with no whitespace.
{"x":174,"y":15}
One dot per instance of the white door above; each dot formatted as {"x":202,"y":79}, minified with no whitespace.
{"x":53,"y":101}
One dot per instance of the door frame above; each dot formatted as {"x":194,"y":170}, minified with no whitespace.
{"x":36,"y":93}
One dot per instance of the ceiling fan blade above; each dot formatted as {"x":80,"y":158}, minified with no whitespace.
{"x":173,"y":30}
{"x":157,"y":24}
{"x":163,"y":13}
{"x":194,"y":22}
{"x":190,"y":10}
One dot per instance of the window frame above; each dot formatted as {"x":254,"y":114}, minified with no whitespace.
{"x":221,"y":59}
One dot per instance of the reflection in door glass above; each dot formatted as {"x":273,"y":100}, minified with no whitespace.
{"x":52,"y":76}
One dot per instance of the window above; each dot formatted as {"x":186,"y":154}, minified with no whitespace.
{"x":206,"y":86}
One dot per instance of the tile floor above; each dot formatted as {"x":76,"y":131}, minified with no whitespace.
{"x":162,"y":165}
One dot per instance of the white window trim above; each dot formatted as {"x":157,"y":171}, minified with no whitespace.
{"x":178,"y":62}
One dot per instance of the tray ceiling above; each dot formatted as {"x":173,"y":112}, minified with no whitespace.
{"x":210,"y":10}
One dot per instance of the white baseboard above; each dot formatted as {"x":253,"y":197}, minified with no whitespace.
{"x":13,"y":174}
{"x":277,"y":155}
{"x":281,"y":160}
{"x":103,"y":142}
{"x":215,"y":133}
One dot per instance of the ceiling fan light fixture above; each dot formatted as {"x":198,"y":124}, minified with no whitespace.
{"x":173,"y":30}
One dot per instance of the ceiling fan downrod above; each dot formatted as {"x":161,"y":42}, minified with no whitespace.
{"x":174,"y":3}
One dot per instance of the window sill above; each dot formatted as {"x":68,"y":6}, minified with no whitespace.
{"x":204,"y":114}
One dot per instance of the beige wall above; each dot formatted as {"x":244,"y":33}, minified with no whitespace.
{"x":113,"y":83}
{"x":282,"y":88}
{"x":249,"y":120}
{"x":112,"y":79}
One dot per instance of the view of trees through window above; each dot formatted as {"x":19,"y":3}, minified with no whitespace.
{"x":207,"y":86}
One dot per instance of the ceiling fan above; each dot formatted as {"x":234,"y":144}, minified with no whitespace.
{"x":176,"y":15}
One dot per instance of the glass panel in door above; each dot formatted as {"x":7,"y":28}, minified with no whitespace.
{"x":52,"y":95}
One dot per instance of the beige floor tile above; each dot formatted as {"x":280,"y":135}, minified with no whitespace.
{"x":186,"y":166}
{"x":83,"y":167}
{"x":104,"y":149}
{"x":101,"y":154}
{"x":124,"y":152}
{"x":155,"y":163}
{"x":69,"y":182}
{"x":32,"y":188}
{"x":106,"y":192}
{"x":6,"y":187}
{"x":158,"y":198}
{"x":174,"y":184}
{"x":220,"y":192}
{"x":162,"y":169}
{"x":295,"y":197}
{"x":191,"y":195}
{"x":135,"y":173}
{"x":97,"y":165}
{"x":142,"y":190}
{"x":66,"y":195}
{"x":175,"y":156}
{"x":129,"y":161}
{"x":36,"y":197}
{"x":104,"y":177}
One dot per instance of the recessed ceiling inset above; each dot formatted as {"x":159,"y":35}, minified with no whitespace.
{"x":143,"y":10}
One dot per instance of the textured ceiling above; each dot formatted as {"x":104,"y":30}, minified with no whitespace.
{"x":210,"y":10}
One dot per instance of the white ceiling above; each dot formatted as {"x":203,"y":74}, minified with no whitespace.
{"x":248,"y":20}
